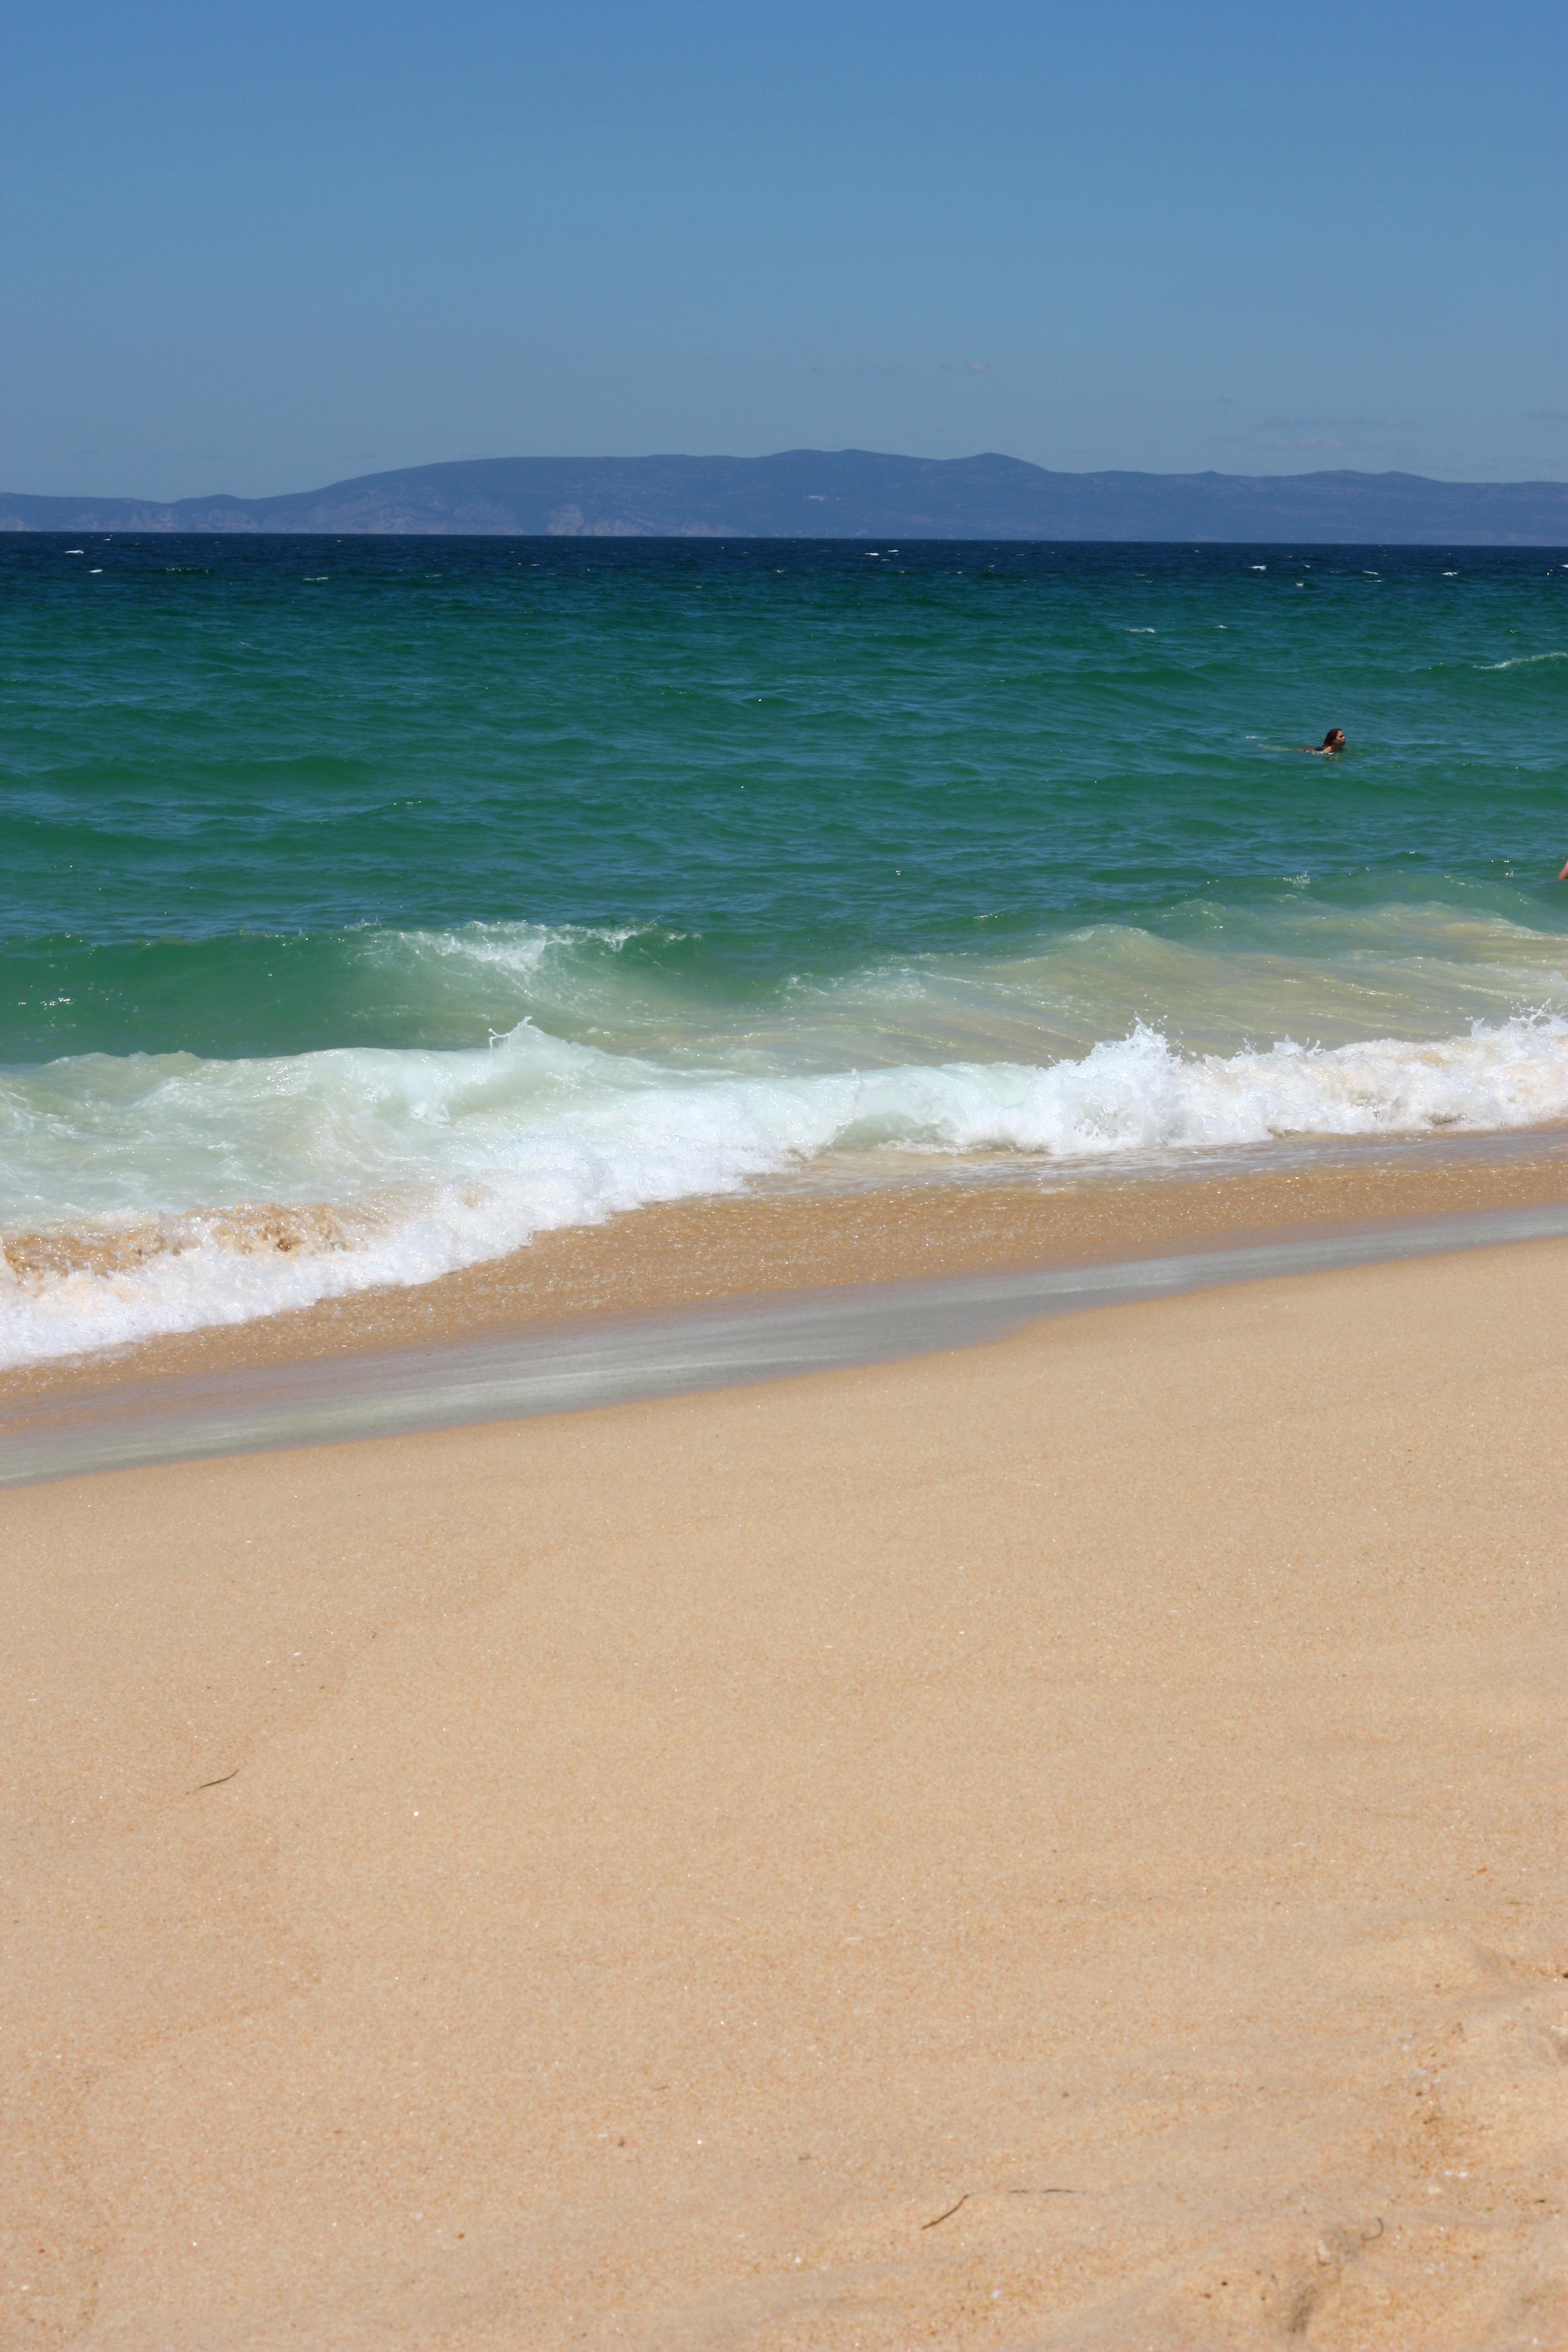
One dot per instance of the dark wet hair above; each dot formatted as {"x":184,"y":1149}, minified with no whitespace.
{"x":1335,"y":735}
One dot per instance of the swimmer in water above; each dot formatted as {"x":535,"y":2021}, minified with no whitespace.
{"x":1333,"y":745}
{"x":1564,"y":876}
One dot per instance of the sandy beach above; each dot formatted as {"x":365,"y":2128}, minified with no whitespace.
{"x":1052,"y":1845}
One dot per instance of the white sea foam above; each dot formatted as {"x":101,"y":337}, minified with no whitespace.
{"x":150,"y":1178}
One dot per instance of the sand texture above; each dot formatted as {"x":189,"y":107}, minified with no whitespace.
{"x":1050,"y":1845}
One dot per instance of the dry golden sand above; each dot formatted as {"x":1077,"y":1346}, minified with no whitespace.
{"x":1050,"y":1845}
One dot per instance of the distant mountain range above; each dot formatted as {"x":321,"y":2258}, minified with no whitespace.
{"x":850,"y":494}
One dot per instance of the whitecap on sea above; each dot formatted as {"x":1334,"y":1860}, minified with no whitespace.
{"x":214,"y":1192}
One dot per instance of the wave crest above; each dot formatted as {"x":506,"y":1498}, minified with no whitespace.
{"x":430,"y":1161}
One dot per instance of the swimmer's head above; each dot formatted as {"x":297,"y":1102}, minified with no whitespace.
{"x":1335,"y":741}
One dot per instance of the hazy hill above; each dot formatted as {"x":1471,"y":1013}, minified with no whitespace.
{"x":850,"y":494}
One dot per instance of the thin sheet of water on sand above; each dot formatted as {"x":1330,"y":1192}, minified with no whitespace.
{"x":604,"y":1363}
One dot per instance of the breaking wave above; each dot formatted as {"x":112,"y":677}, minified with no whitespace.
{"x":330,"y":1172}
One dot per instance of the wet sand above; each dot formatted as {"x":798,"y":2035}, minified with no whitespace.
{"x":1056,"y":1844}
{"x":703,"y":1251}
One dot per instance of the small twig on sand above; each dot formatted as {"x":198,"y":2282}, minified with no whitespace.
{"x":1045,"y":2192}
{"x":214,"y":1784}
{"x":948,"y":2215}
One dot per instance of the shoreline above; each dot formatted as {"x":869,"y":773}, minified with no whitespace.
{"x":714,"y":1248}
{"x":1056,"y":1844}
{"x":538,"y":1370}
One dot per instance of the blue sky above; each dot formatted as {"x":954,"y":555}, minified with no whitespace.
{"x":260,"y":247}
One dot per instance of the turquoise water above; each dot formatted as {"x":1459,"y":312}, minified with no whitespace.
{"x":449,"y":890}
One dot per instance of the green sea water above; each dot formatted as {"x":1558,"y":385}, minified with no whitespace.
{"x":465,"y":887}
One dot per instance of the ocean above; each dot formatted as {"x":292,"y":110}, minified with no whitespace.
{"x":368,"y":906}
